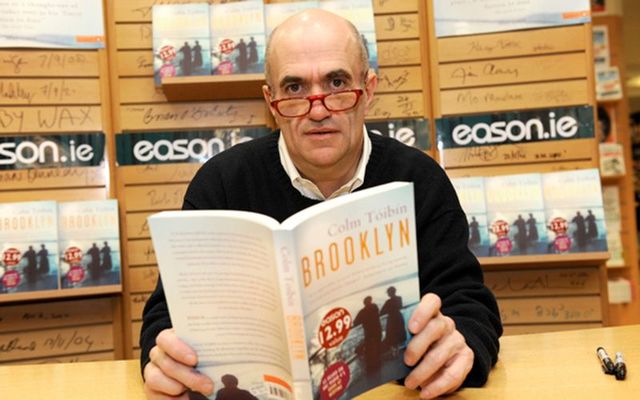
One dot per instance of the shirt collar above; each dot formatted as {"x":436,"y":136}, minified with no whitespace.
{"x":308,"y":188}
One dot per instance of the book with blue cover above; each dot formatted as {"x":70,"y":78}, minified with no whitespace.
{"x":181,"y":40}
{"x":471,"y":195}
{"x":28,"y":246}
{"x":237,"y":37}
{"x":360,"y":14}
{"x":89,"y":243}
{"x":515,"y":211}
{"x":574,"y":212}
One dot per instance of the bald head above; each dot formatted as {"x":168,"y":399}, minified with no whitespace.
{"x":314,"y":25}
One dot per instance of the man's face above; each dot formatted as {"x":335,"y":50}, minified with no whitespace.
{"x":304,"y":64}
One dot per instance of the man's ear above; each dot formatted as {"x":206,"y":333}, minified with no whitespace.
{"x":370,"y":86}
{"x":266,"y":93}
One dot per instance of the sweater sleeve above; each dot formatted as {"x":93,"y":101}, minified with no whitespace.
{"x":155,"y":316}
{"x":450,"y":270}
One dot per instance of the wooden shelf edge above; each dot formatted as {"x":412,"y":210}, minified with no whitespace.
{"x":60,"y":293}
{"x":595,"y":258}
{"x":213,"y":87}
{"x":611,"y":179}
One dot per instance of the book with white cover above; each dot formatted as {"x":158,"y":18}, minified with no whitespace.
{"x":291,"y":304}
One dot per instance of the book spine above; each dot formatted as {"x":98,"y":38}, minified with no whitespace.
{"x":291,"y":298}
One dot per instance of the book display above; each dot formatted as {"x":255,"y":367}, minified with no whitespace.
{"x":616,"y":165}
{"x":529,"y":214}
{"x":503,"y":107}
{"x":48,"y":245}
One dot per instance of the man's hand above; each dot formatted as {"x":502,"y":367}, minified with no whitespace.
{"x":438,"y":351}
{"x":171,"y":370}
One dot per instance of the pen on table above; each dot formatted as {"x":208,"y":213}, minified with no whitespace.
{"x":621,"y":368}
{"x":605,"y":361}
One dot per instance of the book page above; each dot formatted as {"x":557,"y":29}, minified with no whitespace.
{"x":358,"y":273}
{"x":219,"y":276}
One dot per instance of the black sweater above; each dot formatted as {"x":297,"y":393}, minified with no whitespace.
{"x":250,"y":177}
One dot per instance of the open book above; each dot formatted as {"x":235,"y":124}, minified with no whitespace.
{"x":315,"y":307}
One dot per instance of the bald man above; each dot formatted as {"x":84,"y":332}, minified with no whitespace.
{"x":319,"y":87}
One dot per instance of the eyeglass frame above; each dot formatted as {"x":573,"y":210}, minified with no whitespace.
{"x":321,"y":97}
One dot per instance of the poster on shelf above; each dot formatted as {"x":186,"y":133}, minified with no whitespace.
{"x":28,"y":247}
{"x":469,"y":17}
{"x":601,"y":54}
{"x":61,"y":24}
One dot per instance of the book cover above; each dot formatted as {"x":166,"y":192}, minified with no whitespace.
{"x":574,"y":211}
{"x":470,"y":192}
{"x":608,"y":84}
{"x":317,"y":305}
{"x":276,"y":13}
{"x":89,"y":243}
{"x":181,"y":40}
{"x":360,"y":14}
{"x":612,"y":218}
{"x":601,"y":55}
{"x":28,"y":246}
{"x":515,"y":215}
{"x":611,"y":159}
{"x":237,"y":37}
{"x":468,"y":17}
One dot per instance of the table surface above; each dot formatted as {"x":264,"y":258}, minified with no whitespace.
{"x":560,"y":365}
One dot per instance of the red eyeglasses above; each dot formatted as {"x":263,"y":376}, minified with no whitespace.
{"x":300,"y":106}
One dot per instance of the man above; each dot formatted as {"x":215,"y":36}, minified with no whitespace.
{"x":319,"y":88}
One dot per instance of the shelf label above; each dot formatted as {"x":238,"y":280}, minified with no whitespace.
{"x":73,"y":150}
{"x":180,"y":147}
{"x":412,"y":132}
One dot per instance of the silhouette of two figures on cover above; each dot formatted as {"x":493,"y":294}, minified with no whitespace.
{"x":99,"y":260}
{"x":586,"y":229}
{"x":373,"y":345}
{"x":191,"y":58}
{"x":526,"y":232}
{"x":247,"y":54}
{"x":37,"y":263}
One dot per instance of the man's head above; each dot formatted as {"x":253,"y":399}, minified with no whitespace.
{"x":229,"y":381}
{"x":311,"y":53}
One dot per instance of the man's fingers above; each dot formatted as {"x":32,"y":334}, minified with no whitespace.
{"x":169,"y":342}
{"x":181,"y":373}
{"x":450,"y":377}
{"x":428,"y":307}
{"x":438,"y":355}
{"x":433,"y":331}
{"x":157,"y":383}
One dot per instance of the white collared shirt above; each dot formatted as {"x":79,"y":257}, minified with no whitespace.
{"x":308,"y":188}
